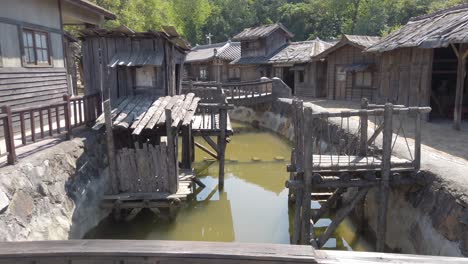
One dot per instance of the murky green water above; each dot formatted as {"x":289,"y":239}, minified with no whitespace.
{"x":253,"y":206}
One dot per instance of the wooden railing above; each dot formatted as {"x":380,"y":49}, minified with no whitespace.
{"x":240,"y":93}
{"x":53,"y":119}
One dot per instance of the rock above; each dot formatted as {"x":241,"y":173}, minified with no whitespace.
{"x":22,"y":206}
{"x":4,"y":201}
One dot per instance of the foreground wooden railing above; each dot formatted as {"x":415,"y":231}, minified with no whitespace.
{"x":49,"y":118}
{"x":171,"y":252}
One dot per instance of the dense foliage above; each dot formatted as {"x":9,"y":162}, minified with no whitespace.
{"x":307,"y":19}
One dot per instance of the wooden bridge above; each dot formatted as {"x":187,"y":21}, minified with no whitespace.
{"x":240,"y":93}
{"x":331,"y":155}
{"x":171,"y":252}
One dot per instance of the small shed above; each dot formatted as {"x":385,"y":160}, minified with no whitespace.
{"x":212,"y":62}
{"x":120,"y":62}
{"x":294,"y":65}
{"x":351,"y":74}
{"x":424,"y":63}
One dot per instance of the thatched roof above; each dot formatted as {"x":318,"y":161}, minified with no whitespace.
{"x":226,"y":50}
{"x":435,"y":30}
{"x":361,"y":42}
{"x":261,"y":32}
{"x":300,"y":52}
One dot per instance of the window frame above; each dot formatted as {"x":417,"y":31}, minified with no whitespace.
{"x":36,"y":63}
{"x":362,"y":80}
{"x":301,"y":76}
{"x":204,"y":70}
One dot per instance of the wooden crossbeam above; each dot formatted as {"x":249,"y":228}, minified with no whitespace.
{"x":205,"y":149}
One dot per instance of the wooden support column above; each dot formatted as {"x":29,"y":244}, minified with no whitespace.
{"x":297,"y":213}
{"x":384,"y":184}
{"x":461,"y":71}
{"x":187,"y":147}
{"x":417,"y":142}
{"x":172,"y":154}
{"x":8,"y":134}
{"x":110,"y":148}
{"x":308,"y":232}
{"x":363,"y":133}
{"x":222,"y":144}
{"x":328,"y":204}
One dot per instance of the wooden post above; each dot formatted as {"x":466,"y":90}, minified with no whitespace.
{"x":222,"y":144}
{"x":186,"y":147}
{"x":9,"y":138}
{"x":461,"y":70}
{"x":417,"y":142}
{"x":110,"y":148}
{"x":363,"y":134}
{"x":384,"y":185}
{"x":172,"y":153}
{"x":297,"y":214}
{"x":66,"y":98}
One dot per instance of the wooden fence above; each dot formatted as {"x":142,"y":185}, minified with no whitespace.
{"x":49,"y":119}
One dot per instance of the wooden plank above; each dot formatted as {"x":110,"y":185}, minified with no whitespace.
{"x":110,"y":147}
{"x":137,"y":112}
{"x":159,"y":112}
{"x":100,"y":121}
{"x":127,"y":110}
{"x":140,"y":123}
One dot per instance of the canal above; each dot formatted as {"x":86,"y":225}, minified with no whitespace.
{"x":253,"y":207}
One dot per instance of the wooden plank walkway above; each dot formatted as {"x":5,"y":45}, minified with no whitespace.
{"x":171,"y":252}
{"x":340,"y":164}
{"x":209,"y":125}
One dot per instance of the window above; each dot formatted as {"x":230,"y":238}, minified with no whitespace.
{"x":301,"y":76}
{"x":36,"y":47}
{"x":363,"y":79}
{"x":340,"y":74}
{"x":203,"y":73}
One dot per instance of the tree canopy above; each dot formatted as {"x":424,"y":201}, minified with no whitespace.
{"x":307,"y":19}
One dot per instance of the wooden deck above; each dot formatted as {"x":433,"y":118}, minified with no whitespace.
{"x":340,"y":164}
{"x":171,"y":252}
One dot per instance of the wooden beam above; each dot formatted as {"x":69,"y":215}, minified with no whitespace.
{"x":328,"y":204}
{"x":340,"y":215}
{"x":222,"y":144}
{"x":205,"y":149}
{"x":211,"y":143}
{"x":110,"y":148}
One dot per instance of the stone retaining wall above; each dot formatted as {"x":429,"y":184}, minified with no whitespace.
{"x":54,"y":194}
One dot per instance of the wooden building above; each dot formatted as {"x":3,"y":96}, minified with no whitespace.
{"x":33,"y":61}
{"x":294,"y":65}
{"x":351,"y":74}
{"x":212,"y":62}
{"x":132,"y":63}
{"x":424,"y":63}
{"x":258,"y":44}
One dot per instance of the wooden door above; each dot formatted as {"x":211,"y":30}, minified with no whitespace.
{"x":340,"y":82}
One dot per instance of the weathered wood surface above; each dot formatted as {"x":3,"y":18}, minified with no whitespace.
{"x":169,"y":252}
{"x":138,"y":113}
{"x":336,"y":163}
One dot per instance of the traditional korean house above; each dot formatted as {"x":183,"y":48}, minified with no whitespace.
{"x":34,"y":46}
{"x":212,"y":62}
{"x":294,"y":65}
{"x":258,"y":45}
{"x":351,"y":74}
{"x":424,"y":63}
{"x":120,"y":62}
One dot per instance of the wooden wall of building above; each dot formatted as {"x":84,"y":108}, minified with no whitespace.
{"x":406,"y":76}
{"x":274,"y":41}
{"x":314,"y":79}
{"x":193,"y":70}
{"x":344,"y":56}
{"x":121,"y":80}
{"x":249,"y":72}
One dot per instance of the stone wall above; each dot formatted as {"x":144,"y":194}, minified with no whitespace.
{"x":427,"y":219}
{"x":54,"y":194}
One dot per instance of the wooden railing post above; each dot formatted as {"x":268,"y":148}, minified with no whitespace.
{"x":222,"y":144}
{"x":9,"y":139}
{"x":385,"y":176}
{"x":364,"y":125}
{"x":110,"y":148}
{"x":67,"y":112}
{"x":173,"y":165}
{"x":417,"y":142}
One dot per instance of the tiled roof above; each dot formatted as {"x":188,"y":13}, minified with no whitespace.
{"x":261,"y":32}
{"x":361,"y":42}
{"x":225,"y":50}
{"x":300,"y":52}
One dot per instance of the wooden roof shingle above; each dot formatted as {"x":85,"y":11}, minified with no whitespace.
{"x":361,"y":42}
{"x":435,"y":30}
{"x":226,"y":50}
{"x":300,"y":52}
{"x":261,"y":32}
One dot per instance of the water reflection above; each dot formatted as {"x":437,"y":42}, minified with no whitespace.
{"x":253,"y":207}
